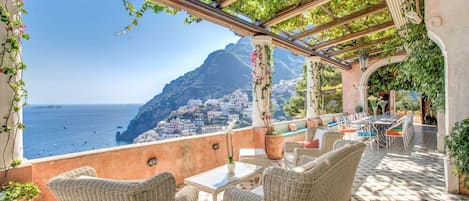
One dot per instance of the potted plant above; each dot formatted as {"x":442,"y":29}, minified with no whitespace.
{"x":273,"y":144}
{"x":373,"y":104}
{"x":358,"y":109}
{"x":382,"y":104}
{"x":229,"y":147}
{"x":458,"y":151}
{"x":15,"y":191}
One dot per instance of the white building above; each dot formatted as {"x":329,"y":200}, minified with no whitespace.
{"x":194,"y":102}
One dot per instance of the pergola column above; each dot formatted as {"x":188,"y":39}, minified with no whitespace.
{"x":11,"y":142}
{"x":313,"y":90}
{"x":392,"y":102}
{"x":363,"y":94}
{"x":261,"y":81}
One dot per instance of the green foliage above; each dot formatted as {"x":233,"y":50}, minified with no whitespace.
{"x":330,"y":79}
{"x":387,"y":78}
{"x":358,"y":109}
{"x":458,"y":148}
{"x":147,"y":5}
{"x":11,"y":67}
{"x":16,"y":191}
{"x":405,"y":102}
{"x":423,"y":69}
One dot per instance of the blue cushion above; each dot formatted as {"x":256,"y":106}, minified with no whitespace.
{"x":299,"y":131}
{"x":331,"y":124}
{"x":366,"y":134}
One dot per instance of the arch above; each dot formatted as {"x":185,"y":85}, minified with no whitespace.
{"x":377,"y":65}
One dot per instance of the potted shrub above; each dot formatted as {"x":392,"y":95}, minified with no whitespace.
{"x":358,"y":109}
{"x":273,"y":144}
{"x":15,"y":191}
{"x":458,"y":151}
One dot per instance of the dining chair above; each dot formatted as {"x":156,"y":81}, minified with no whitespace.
{"x":399,"y":130}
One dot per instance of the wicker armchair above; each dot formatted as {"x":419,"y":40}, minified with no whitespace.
{"x":82,"y":185}
{"x":328,"y":178}
{"x":293,"y":151}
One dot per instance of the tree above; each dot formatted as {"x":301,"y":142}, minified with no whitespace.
{"x":330,"y":80}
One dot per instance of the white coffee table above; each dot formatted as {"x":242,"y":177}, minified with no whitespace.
{"x":217,"y":180}
{"x":254,"y":156}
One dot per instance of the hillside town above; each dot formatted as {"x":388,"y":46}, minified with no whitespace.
{"x":209,"y":116}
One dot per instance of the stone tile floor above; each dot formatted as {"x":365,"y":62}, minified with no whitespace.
{"x":395,"y":174}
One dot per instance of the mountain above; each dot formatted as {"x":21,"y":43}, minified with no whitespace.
{"x":222,"y":72}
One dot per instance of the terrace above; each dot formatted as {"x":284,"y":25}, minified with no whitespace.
{"x":337,"y":41}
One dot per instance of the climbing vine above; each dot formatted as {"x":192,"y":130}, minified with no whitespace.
{"x":423,"y":69}
{"x":11,"y":67}
{"x":315,"y":88}
{"x":262,"y":71}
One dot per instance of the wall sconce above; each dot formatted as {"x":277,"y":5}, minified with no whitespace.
{"x":215,"y":146}
{"x":152,"y":161}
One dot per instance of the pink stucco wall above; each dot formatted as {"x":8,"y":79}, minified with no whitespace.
{"x":183,"y":157}
{"x":350,"y":82}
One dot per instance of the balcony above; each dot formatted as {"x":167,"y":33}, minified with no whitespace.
{"x":416,"y":174}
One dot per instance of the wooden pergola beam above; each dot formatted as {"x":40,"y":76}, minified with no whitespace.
{"x":370,"y":53}
{"x":355,"y":35}
{"x":293,"y":11}
{"x":243,"y":27}
{"x":225,"y":3}
{"x":343,"y":20}
{"x":362,"y":45}
{"x":332,"y":15}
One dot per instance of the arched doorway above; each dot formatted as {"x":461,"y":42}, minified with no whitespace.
{"x":363,"y":84}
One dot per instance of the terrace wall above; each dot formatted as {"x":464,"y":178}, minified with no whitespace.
{"x":183,"y":157}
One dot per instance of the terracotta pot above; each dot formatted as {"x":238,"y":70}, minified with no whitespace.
{"x":463,"y":190}
{"x":273,"y":146}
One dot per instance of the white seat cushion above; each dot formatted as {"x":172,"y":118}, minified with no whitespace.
{"x":259,"y":191}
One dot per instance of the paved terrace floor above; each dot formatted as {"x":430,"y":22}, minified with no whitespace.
{"x":415,"y":174}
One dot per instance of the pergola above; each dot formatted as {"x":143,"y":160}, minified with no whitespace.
{"x":337,"y":41}
{"x":324,"y":31}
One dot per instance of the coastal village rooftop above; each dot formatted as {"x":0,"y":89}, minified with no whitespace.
{"x":327,"y":33}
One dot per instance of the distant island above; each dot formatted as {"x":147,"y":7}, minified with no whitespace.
{"x":46,"y":106}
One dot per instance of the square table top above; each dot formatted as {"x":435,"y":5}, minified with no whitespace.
{"x":249,"y":152}
{"x":218,"y":179}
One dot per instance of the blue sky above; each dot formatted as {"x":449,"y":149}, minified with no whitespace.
{"x":75,"y":57}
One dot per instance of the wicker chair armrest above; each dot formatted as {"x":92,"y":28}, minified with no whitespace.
{"x":290,"y":146}
{"x":235,"y":194}
{"x":340,"y":143}
{"x":188,"y":193}
{"x":307,"y":152}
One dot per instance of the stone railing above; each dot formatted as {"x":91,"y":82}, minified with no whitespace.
{"x":183,"y":157}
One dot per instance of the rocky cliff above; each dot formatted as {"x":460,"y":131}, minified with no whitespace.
{"x":221,"y":73}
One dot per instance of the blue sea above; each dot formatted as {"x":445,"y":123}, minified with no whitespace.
{"x":60,"y":129}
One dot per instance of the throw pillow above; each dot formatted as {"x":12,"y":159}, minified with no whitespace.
{"x":314,"y":144}
{"x":292,"y":127}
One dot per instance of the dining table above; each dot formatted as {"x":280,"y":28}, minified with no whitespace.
{"x":381,"y":123}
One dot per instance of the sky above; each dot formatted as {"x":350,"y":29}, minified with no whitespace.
{"x":74,"y":55}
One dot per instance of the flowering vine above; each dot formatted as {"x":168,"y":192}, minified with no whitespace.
{"x":315,"y":87}
{"x":261,"y":61}
{"x":11,"y":67}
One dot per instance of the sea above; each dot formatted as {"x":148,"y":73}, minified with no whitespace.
{"x":60,"y":129}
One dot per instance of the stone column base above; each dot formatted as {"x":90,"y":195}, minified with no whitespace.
{"x":313,"y":122}
{"x":452,"y":181}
